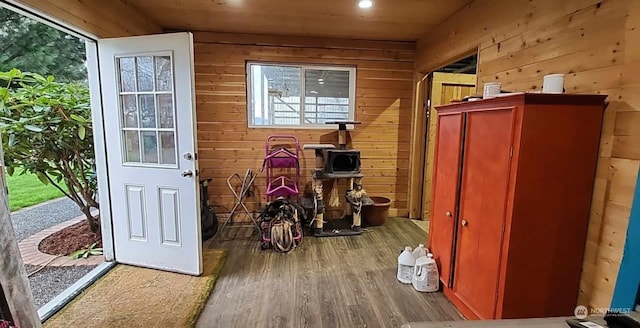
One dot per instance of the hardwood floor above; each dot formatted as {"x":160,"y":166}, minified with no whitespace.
{"x":326,"y":282}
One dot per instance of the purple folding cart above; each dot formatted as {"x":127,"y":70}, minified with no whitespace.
{"x":282,"y":166}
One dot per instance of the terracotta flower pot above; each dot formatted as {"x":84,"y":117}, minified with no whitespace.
{"x":376,"y":214}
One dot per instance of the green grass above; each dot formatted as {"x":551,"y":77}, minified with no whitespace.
{"x":26,"y":190}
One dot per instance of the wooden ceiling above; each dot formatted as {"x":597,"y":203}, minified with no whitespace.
{"x":386,"y":20}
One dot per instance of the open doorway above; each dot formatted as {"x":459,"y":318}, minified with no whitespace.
{"x":148,"y":78}
{"x":49,"y":153}
{"x":451,"y":83}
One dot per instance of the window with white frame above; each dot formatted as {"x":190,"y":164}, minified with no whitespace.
{"x":283,"y":95}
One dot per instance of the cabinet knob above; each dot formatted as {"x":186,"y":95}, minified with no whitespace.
{"x":464,"y":223}
{"x":448,"y":214}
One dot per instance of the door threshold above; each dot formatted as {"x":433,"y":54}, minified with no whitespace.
{"x":58,"y":302}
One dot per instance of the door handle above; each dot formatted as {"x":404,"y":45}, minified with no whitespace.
{"x":464,"y":223}
{"x":187,"y":174}
{"x":448,"y":214}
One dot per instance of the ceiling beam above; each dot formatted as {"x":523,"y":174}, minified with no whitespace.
{"x":97,"y":19}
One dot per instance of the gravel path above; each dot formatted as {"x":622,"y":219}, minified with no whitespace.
{"x":32,"y":220}
{"x":50,"y":282}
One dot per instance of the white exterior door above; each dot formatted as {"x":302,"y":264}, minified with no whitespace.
{"x":149,"y":121}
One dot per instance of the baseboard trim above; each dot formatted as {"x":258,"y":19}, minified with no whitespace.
{"x":399,"y":212}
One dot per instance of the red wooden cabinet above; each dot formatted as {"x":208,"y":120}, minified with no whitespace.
{"x":442,"y":225}
{"x":512,"y":192}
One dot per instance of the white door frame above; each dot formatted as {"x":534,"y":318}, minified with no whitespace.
{"x":102,"y":170}
{"x":100,"y":150}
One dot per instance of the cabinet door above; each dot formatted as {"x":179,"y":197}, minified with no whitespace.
{"x":445,"y":192}
{"x":483,"y":197}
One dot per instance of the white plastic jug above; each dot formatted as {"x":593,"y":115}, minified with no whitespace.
{"x":425,"y":274}
{"x":406,"y":262}
{"x":419,"y":251}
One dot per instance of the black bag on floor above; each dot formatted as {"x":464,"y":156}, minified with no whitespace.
{"x":280,"y":225}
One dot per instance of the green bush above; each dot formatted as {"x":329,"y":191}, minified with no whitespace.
{"x":46,"y":130}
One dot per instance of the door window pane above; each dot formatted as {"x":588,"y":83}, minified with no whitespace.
{"x":145,"y":73}
{"x":132,"y":146}
{"x":127,"y":74}
{"x":130,"y":111}
{"x":168,"y":148}
{"x":165,"y":110}
{"x":149,"y":147}
{"x":164,"y":79}
{"x":148,"y":111}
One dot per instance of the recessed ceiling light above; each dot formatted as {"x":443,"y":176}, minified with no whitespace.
{"x":365,"y":3}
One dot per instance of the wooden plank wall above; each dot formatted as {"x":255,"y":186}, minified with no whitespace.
{"x":105,"y":19}
{"x":384,"y":90}
{"x":595,"y":43}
